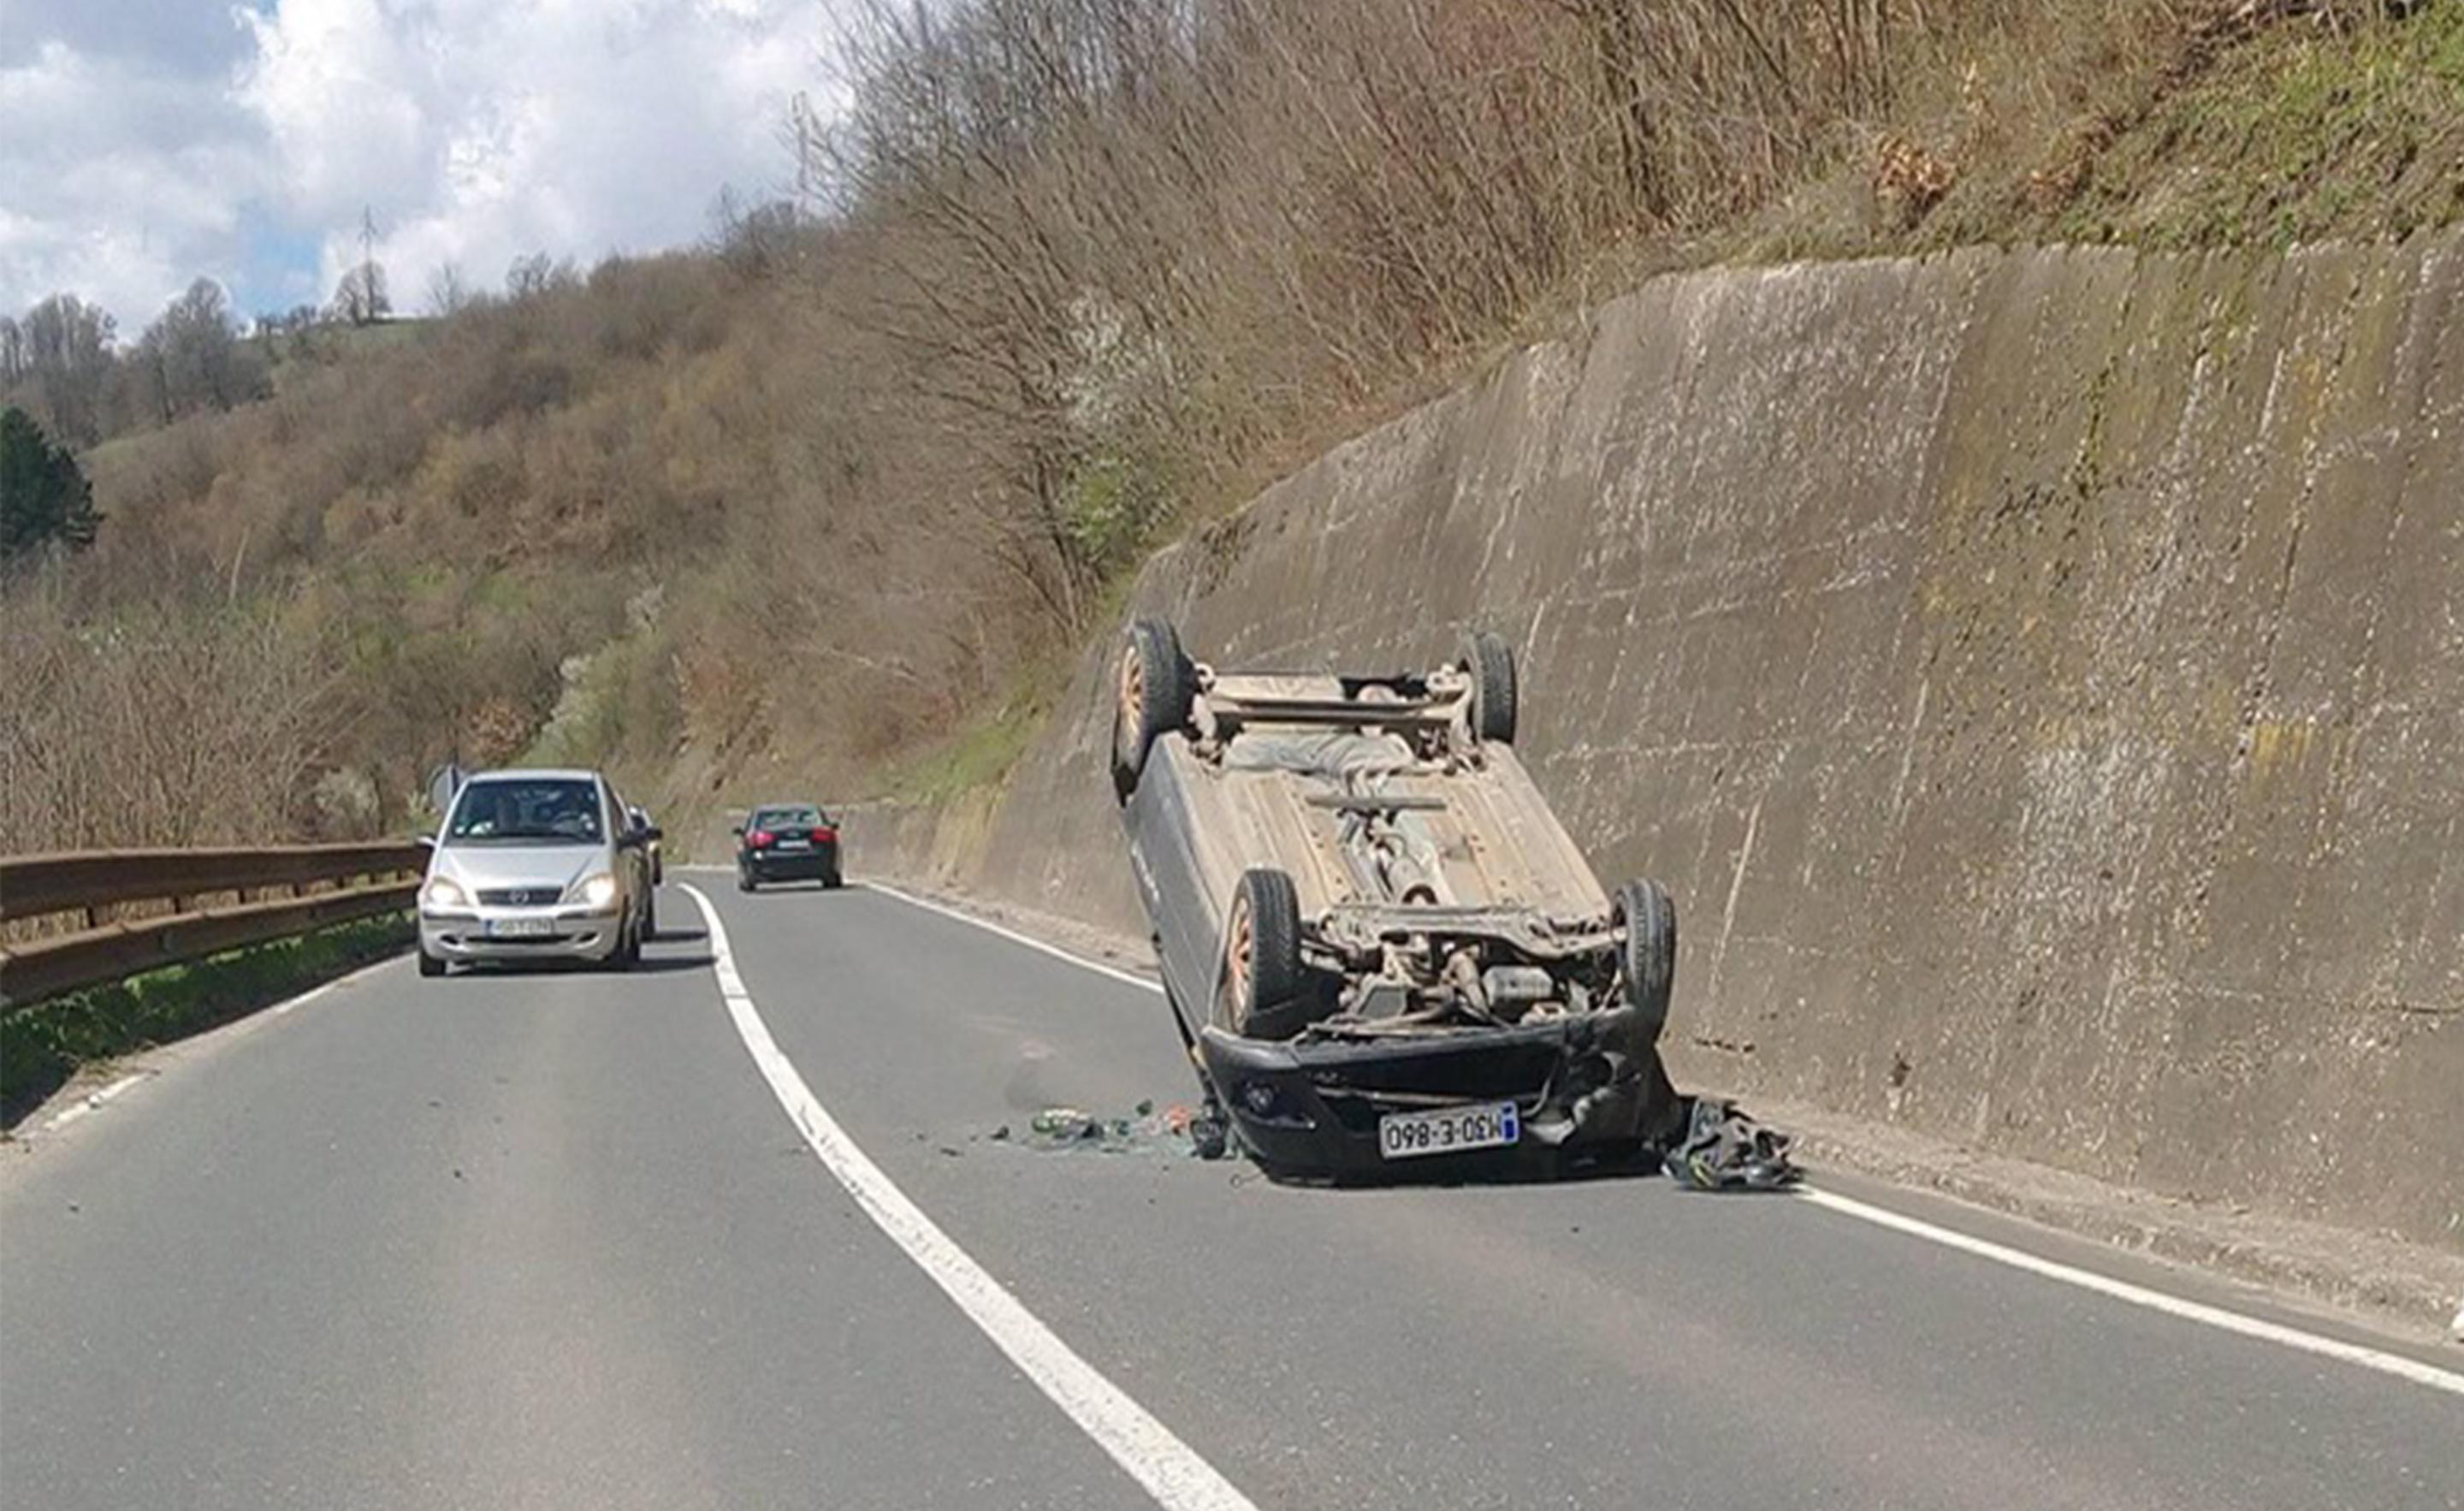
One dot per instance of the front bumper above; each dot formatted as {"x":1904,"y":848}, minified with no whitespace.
{"x":1580,"y":1084}
{"x":573,"y":933}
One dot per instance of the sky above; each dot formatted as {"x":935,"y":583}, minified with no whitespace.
{"x":146,"y":143}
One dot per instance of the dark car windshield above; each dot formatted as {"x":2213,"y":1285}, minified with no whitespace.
{"x":793,"y":816}
{"x":555,"y":809}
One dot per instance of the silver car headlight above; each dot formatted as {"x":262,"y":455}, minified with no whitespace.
{"x":443,"y":891}
{"x":597,"y":891}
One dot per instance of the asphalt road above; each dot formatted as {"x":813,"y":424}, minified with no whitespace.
{"x":551,"y":1240}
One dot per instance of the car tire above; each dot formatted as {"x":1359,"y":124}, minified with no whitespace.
{"x":1490,"y":662}
{"x":430,"y":965}
{"x":744,"y":882}
{"x":651,"y":916}
{"x":1265,"y":987}
{"x":1156,"y":688}
{"x":1647,"y":952}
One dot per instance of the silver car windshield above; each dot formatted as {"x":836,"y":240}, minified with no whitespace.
{"x":550,"y":810}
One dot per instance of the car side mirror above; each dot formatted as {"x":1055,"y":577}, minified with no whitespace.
{"x":650,"y":834}
{"x":736,"y":829}
{"x":426,"y":842}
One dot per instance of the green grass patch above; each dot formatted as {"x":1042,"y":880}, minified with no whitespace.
{"x":44,"y":1044}
{"x":2304,"y":133}
{"x":979,"y":755}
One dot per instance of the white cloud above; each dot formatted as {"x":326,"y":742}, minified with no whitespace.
{"x":143,"y":142}
{"x":479,"y":130}
{"x":123,"y":180}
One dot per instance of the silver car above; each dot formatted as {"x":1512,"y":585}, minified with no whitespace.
{"x":536,"y":865}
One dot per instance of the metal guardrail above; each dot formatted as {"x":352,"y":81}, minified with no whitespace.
{"x":38,"y":885}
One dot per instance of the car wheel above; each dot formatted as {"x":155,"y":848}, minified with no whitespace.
{"x":834,"y":881}
{"x":1263,"y":980}
{"x":1647,"y":952}
{"x":1154,"y":687}
{"x":744,"y":882}
{"x":1490,"y":664}
{"x":431,"y":965}
{"x":651,"y":916}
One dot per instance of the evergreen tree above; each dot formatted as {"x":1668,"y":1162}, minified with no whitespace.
{"x":43,"y":496}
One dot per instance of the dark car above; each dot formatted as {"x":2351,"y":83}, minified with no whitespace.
{"x":650,"y":851}
{"x":1381,"y":948}
{"x":787,"y":841}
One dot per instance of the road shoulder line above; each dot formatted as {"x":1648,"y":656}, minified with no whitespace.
{"x":2399,"y":1366}
{"x":2403,"y":1367}
{"x":1168,"y":1469}
{"x":1014,"y":936}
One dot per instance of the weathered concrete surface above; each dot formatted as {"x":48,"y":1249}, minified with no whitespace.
{"x":2039,"y":677}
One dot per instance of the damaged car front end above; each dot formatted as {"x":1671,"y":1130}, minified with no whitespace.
{"x":1378,"y":943}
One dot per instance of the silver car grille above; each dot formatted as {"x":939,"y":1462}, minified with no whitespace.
{"x":519,"y":896}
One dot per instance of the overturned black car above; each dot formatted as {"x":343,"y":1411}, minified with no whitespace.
{"x":1380,"y":946}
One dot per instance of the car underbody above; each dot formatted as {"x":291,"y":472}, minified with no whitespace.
{"x":1379,"y":944}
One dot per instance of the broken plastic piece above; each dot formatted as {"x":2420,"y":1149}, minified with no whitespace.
{"x":1726,"y":1149}
{"x":1063,"y":1123}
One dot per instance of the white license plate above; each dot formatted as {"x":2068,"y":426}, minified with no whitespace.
{"x":521,"y":927}
{"x":795,"y":844}
{"x":1448,"y":1131}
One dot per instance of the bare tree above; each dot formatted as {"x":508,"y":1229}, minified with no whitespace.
{"x":204,"y":364}
{"x":754,"y":240}
{"x":361,"y":297}
{"x":538,"y":274}
{"x":68,"y":359}
{"x":447,"y":292}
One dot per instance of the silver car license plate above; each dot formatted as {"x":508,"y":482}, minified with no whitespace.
{"x":521,"y":927}
{"x":1448,"y":1131}
{"x":795,"y":844}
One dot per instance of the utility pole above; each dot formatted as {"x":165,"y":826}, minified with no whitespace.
{"x":808,"y":147}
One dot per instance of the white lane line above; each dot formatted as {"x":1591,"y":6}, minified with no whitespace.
{"x":94,"y":1100}
{"x":335,"y":985}
{"x":1148,"y":983}
{"x":2397,"y":1365}
{"x":2416,"y":1370}
{"x":1169,"y":1469}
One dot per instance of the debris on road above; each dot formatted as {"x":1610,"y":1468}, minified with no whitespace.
{"x":1064,"y":1128}
{"x":1063,"y":1124}
{"x":1726,"y":1149}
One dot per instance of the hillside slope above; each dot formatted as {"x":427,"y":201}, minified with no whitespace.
{"x":586,"y":524}
{"x":798,"y":508}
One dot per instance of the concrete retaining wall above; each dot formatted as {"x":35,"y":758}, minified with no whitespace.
{"x":2038,"y":676}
